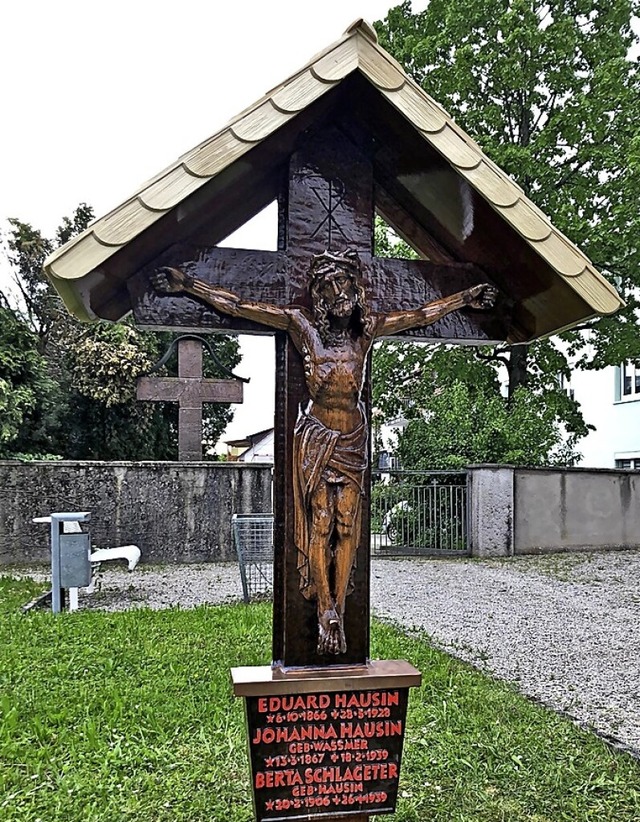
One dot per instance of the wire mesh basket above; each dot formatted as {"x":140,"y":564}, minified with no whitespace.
{"x":253,"y":539}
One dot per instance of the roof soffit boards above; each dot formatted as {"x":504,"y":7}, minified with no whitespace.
{"x":75,"y":269}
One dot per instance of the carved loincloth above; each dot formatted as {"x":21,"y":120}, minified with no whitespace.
{"x":320,"y":453}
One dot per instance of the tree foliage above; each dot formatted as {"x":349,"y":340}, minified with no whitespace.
{"x":23,"y":379}
{"x":68,"y":388}
{"x":463,"y":426}
{"x":457,"y":410}
{"x":458,"y":414}
{"x":549,"y":91}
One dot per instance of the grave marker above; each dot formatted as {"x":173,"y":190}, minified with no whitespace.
{"x":190,"y":390}
{"x":348,"y":135}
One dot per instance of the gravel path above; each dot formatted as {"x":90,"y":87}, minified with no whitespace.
{"x":563,"y":628}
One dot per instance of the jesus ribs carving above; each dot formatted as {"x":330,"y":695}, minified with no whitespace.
{"x":331,"y":434}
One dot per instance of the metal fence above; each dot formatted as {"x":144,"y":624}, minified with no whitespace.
{"x":412,"y":513}
{"x":419,"y":513}
{"x":253,"y":538}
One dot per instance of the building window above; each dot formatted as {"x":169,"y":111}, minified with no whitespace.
{"x":565,"y":386}
{"x":630,"y":381}
{"x":628,"y":464}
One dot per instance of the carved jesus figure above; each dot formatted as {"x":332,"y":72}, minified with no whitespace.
{"x":331,"y":433}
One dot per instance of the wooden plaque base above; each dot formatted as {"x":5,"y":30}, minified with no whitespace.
{"x":325,"y":742}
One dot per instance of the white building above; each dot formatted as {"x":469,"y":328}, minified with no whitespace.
{"x":610,"y":401}
{"x":256,"y":447}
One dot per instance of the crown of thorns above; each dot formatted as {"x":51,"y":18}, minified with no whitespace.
{"x":349,"y":260}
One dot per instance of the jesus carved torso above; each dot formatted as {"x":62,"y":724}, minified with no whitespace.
{"x":334,"y":375}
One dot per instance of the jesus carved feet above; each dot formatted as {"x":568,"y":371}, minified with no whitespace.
{"x":331,"y":639}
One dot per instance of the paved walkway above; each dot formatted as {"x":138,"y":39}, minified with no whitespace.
{"x":563,"y":628}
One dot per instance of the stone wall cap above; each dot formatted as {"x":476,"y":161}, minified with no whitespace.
{"x":137,"y":463}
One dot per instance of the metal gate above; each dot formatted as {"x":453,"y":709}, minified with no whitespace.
{"x":419,"y":513}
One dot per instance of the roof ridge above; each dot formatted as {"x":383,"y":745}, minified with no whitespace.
{"x":363,"y":27}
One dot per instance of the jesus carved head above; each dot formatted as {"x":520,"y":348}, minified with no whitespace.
{"x":338,"y":295}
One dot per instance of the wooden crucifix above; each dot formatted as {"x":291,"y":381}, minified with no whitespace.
{"x":346,"y":136}
{"x":321,"y":596}
{"x":190,"y":390}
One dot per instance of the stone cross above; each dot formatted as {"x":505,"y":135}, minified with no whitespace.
{"x":190,"y":390}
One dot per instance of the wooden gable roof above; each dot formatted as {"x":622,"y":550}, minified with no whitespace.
{"x":434,"y":185}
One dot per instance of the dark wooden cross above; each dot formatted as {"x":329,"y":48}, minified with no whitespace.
{"x":326,"y":203}
{"x":190,"y":390}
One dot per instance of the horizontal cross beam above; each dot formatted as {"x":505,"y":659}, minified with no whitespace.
{"x":273,"y":277}
{"x":189,"y":391}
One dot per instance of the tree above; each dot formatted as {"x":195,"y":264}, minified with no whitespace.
{"x":548,"y":90}
{"x":23,"y":383}
{"x":453,"y":400}
{"x":86,"y":406}
{"x":26,"y":250}
{"x":457,"y":413}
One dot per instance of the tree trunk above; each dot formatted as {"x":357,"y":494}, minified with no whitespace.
{"x":517,"y":368}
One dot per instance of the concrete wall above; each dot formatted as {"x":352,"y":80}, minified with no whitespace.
{"x":575,"y":509}
{"x":181,"y":512}
{"x":542,"y":510}
{"x":491,"y":510}
{"x":174,"y":512}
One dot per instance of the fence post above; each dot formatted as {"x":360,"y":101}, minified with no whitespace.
{"x":491,"y":508}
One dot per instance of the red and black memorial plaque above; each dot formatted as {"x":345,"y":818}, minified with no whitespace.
{"x":327,"y":743}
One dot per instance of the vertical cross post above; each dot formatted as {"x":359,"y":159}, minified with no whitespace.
{"x":190,"y":404}
{"x":328,"y":206}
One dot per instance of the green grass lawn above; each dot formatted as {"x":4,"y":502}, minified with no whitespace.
{"x":130,"y":716}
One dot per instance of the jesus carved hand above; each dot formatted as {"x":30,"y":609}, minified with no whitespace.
{"x":481,"y":296}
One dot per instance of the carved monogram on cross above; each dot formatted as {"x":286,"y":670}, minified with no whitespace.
{"x":330,"y":194}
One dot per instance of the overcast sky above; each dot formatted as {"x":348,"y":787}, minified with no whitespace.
{"x":99,"y":97}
